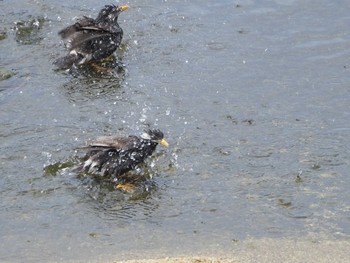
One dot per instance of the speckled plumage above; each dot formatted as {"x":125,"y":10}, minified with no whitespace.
{"x":113,"y":156}
{"x":92,"y":39}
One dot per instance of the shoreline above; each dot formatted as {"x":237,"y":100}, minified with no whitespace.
{"x":268,"y":250}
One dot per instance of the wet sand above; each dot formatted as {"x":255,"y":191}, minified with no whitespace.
{"x":270,"y":251}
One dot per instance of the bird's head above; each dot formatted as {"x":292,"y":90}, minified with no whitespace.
{"x":155,"y":135}
{"x":111,"y":12}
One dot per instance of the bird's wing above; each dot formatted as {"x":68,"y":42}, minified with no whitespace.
{"x":95,"y":160}
{"x":83,"y":41}
{"x":115,"y":142}
{"x":78,"y":26}
{"x":83,"y":34}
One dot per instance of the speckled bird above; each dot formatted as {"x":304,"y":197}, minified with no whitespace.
{"x":113,"y":156}
{"x":92,"y":39}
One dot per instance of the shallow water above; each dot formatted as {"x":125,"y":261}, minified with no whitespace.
{"x":254,"y":101}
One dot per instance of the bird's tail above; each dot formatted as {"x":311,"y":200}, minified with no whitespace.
{"x":68,"y":61}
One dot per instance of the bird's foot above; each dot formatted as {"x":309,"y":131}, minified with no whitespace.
{"x":100,"y":69}
{"x":126,"y":187}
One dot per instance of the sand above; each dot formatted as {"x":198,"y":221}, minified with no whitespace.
{"x":271,"y":251}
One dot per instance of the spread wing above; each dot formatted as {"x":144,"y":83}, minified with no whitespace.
{"x":83,"y":34}
{"x":92,"y":40}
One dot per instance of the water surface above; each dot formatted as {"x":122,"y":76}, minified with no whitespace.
{"x":253,"y":99}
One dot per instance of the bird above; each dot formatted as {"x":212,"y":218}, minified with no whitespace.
{"x":114,"y":156}
{"x":92,"y":39}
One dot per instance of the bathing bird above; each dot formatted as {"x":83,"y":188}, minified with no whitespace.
{"x":91,"y":40}
{"x":113,"y":156}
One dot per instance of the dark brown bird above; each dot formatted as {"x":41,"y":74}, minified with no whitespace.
{"x":113,"y":156}
{"x":92,"y":39}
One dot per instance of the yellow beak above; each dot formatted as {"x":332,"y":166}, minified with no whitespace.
{"x":123,"y":7}
{"x":164,"y":143}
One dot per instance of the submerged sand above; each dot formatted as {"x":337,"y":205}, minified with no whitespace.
{"x":271,"y":251}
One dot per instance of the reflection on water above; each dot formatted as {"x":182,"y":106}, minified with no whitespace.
{"x":93,"y":81}
{"x":81,"y":89}
{"x":111,"y":204}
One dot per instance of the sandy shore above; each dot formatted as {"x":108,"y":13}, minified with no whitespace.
{"x":271,"y":251}
{"x":182,"y":260}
